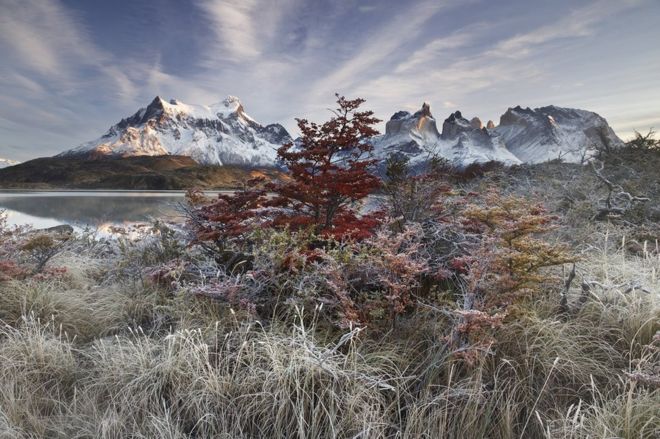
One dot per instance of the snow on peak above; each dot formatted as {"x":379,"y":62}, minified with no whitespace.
{"x":232,"y":102}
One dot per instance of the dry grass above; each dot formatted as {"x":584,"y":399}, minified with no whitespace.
{"x":89,"y":357}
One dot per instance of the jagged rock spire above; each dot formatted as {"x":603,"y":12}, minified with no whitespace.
{"x":476,"y":123}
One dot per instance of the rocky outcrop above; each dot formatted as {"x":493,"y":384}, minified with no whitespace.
{"x":408,"y":135}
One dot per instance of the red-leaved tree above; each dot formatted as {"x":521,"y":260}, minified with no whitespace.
{"x":330,"y":169}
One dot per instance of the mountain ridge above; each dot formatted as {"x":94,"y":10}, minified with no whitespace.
{"x":523,"y":136}
{"x":224,"y":134}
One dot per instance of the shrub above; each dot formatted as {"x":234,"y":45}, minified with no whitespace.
{"x":644,"y":141}
{"x":41,"y":249}
{"x":487,"y":249}
{"x":410,"y":196}
{"x":509,"y":262}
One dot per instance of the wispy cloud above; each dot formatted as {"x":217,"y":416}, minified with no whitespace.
{"x":47,"y":40}
{"x":234,"y":25}
{"x":444,"y":71}
{"x":41,"y":34}
{"x":433,"y":51}
{"x":245,"y":30}
{"x":380,"y":44}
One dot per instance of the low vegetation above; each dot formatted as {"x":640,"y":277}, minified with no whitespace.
{"x":486,"y":302}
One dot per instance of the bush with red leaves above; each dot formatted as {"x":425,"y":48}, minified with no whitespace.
{"x":230,"y":217}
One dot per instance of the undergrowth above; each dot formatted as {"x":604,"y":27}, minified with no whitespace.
{"x":133,"y":359}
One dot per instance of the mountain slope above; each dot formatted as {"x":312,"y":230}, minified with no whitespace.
{"x":142,"y":172}
{"x":220,"y":134}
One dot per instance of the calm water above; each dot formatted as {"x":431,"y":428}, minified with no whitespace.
{"x":97,"y":209}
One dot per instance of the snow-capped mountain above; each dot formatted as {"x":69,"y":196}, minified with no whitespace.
{"x":219,"y":134}
{"x":523,"y":136}
{"x":5,"y":163}
{"x":552,"y":132}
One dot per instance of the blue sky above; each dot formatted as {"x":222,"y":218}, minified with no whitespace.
{"x":72,"y":68}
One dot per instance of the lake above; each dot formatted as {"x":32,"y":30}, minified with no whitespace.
{"x":95,"y":209}
{"x":102,"y":210}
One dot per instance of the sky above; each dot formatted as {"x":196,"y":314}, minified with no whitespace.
{"x":69,"y":69}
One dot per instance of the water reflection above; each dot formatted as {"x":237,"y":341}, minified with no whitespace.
{"x":93,"y":208}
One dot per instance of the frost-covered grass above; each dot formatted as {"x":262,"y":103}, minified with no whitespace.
{"x":104,"y":352}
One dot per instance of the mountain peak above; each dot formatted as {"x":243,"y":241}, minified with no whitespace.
{"x":454,"y":125}
{"x":424,"y":111}
{"x":234,"y":105}
{"x":217,"y":134}
{"x":476,"y":123}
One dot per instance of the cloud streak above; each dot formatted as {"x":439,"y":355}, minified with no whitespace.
{"x":578,"y":23}
{"x":234,"y":25}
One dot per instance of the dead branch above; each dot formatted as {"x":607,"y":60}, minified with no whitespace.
{"x":617,"y":202}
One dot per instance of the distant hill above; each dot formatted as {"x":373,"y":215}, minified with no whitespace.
{"x":140,"y":172}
